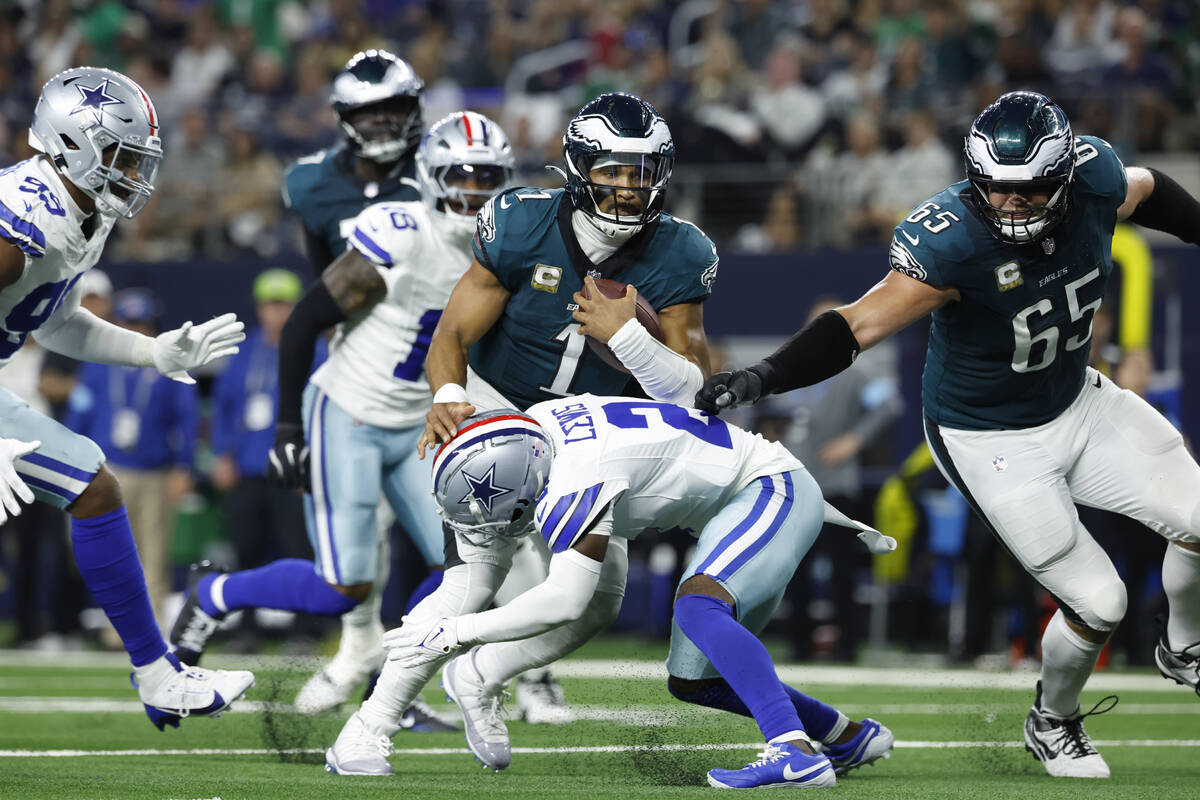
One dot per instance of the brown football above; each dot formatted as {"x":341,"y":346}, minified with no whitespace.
{"x":645,"y":315}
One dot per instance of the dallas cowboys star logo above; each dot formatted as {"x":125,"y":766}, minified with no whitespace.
{"x":484,"y":489}
{"x":94,"y":99}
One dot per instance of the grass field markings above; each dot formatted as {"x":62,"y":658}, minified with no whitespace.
{"x":624,"y":669}
{"x":648,"y":714}
{"x":462,"y":751}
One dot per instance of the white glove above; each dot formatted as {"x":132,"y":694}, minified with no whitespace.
{"x":11,"y":485}
{"x":415,"y":645}
{"x":191,"y":346}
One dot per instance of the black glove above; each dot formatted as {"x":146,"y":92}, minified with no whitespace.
{"x":741,"y":387}
{"x":287,"y":463}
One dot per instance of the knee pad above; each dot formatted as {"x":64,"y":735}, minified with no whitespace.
{"x":1106,"y":606}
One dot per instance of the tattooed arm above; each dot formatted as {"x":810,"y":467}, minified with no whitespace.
{"x":350,"y":287}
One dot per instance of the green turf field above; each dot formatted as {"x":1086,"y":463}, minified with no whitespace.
{"x":70,"y":729}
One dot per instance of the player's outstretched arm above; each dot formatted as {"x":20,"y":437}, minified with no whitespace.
{"x":1154,"y":200}
{"x":476,"y":303}
{"x":563,"y":597}
{"x":76,"y":332}
{"x":828,"y":344}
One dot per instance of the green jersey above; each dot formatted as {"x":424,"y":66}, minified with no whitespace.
{"x":533,"y":352}
{"x":1012,"y":352}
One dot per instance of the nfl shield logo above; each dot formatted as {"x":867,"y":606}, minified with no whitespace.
{"x":1048,"y":246}
{"x":999,"y":463}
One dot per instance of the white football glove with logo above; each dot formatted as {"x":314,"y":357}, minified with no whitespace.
{"x":12,"y":487}
{"x":191,"y":346}
{"x":415,"y":645}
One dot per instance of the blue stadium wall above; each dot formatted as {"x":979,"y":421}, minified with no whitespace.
{"x":755,"y":296}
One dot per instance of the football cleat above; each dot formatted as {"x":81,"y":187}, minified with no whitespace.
{"x":353,"y":665}
{"x":482,"y":710}
{"x":171,"y":690}
{"x":873,"y":742}
{"x":1179,"y":666}
{"x":779,"y":765}
{"x":359,"y":751}
{"x":1061,"y":743}
{"x":541,"y":701}
{"x":420,"y":718}
{"x":194,"y":626}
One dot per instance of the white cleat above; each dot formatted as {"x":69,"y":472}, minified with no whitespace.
{"x":171,"y":690}
{"x":541,"y":701}
{"x":337,"y":681}
{"x":1061,"y":743}
{"x":482,"y":711}
{"x":1180,"y":666}
{"x":359,"y":751}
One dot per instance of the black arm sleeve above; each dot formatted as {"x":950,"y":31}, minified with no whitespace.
{"x":1169,"y":208}
{"x":315,"y":312}
{"x":820,"y":350}
{"x":318,"y":251}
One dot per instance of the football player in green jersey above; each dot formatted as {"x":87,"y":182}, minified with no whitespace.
{"x":1012,"y":264}
{"x":512,"y":333}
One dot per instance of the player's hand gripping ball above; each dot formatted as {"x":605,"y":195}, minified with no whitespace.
{"x":646,"y":315}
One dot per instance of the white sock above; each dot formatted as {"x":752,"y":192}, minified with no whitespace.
{"x":528,"y":570}
{"x":499,"y":662}
{"x":792,"y":736}
{"x":395,"y":691}
{"x":153,"y":673}
{"x":1067,"y":663}
{"x":1181,"y":582}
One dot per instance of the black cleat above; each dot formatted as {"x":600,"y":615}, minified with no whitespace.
{"x":194,"y":626}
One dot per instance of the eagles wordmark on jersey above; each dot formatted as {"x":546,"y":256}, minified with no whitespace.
{"x":524,"y":237}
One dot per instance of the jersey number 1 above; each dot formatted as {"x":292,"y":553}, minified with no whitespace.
{"x":410,"y":368}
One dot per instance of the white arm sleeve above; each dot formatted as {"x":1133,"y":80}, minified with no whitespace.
{"x":664,"y":374}
{"x":80,"y":334}
{"x":561,"y":598}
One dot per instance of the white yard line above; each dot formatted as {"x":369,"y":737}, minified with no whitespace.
{"x":796,"y":674}
{"x":462,"y":751}
{"x":648,"y":714}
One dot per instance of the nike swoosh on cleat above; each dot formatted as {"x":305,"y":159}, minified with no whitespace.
{"x":789,"y":775}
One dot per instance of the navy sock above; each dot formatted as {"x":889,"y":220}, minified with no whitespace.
{"x":424,"y":589}
{"x":290,"y":584}
{"x":817,"y":717}
{"x":108,"y":563}
{"x":741,"y":659}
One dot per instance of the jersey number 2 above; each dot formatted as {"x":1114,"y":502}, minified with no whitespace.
{"x":1025,"y":340}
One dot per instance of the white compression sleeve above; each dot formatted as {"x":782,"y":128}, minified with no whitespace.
{"x":562,"y":597}
{"x":663,"y":373}
{"x":80,"y":334}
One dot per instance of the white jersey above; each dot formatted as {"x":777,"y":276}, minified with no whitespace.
{"x":659,"y":465}
{"x":39,"y":217}
{"x":376,"y":367}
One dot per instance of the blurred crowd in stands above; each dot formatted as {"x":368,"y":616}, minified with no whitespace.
{"x":798,"y":122}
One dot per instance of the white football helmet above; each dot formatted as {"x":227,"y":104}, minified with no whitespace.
{"x":458,"y":148}
{"x":84,"y":111}
{"x":487,"y":479}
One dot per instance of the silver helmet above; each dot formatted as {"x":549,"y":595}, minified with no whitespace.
{"x":458,"y":148}
{"x":81,"y":114}
{"x":487,"y":479}
{"x":379,"y":80}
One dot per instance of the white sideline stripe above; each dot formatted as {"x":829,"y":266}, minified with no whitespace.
{"x":657,"y":748}
{"x":650,"y":714}
{"x":796,"y":674}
